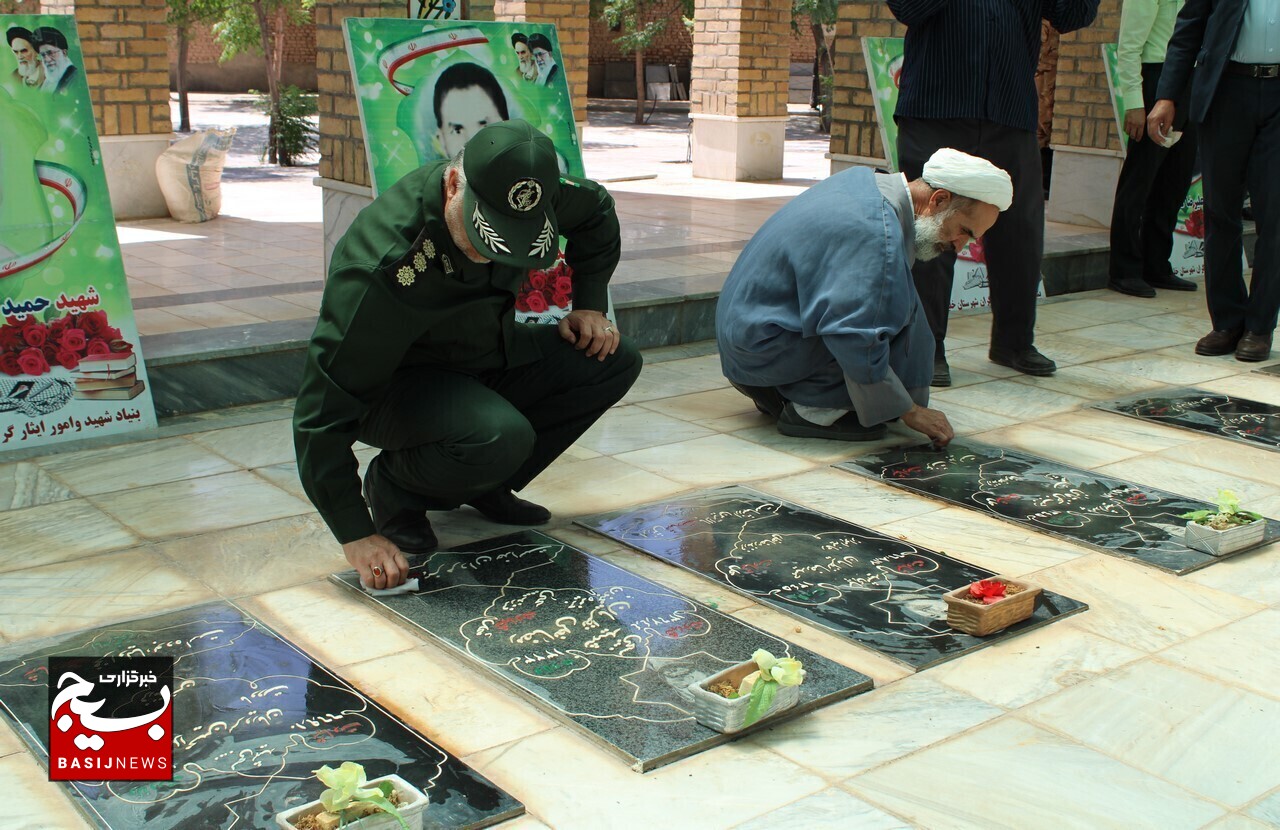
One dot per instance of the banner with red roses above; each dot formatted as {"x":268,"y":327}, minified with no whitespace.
{"x":70,"y":366}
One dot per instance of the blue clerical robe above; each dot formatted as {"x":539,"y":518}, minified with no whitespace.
{"x":821,"y":303}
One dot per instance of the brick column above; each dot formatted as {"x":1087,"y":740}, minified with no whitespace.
{"x":126,"y":62}
{"x":1087,"y":152}
{"x":855,"y":131}
{"x":738,"y":88}
{"x":572,"y":19}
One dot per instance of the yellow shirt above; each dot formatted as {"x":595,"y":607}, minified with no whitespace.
{"x":1145,"y":29}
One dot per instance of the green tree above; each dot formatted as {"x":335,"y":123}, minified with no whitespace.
{"x":259,"y":26}
{"x":181,"y":15}
{"x":640,"y":23}
{"x":820,"y":16}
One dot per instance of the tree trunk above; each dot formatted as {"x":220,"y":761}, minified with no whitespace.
{"x":184,"y":107}
{"x":273,"y":79}
{"x":640,"y":86}
{"x":823,"y":58}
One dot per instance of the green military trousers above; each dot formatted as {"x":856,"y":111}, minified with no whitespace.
{"x":447,"y":436}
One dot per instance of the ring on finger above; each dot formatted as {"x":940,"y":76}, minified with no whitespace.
{"x":608,"y":329}
{"x":377,"y":570}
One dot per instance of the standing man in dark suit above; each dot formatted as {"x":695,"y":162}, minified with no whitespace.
{"x":1234,"y":46}
{"x":968,"y":82}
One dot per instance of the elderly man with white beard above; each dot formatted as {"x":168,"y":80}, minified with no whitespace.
{"x":30,"y":72}
{"x":59,"y":71}
{"x":819,"y":321}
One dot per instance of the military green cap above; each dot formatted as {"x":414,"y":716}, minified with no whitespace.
{"x":513,"y":181}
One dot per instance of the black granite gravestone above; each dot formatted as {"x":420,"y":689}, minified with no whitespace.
{"x":252,"y":717}
{"x":1240,"y":419}
{"x":1273,"y":369}
{"x":880,"y":592}
{"x":601,"y":649}
{"x":1109,"y":514}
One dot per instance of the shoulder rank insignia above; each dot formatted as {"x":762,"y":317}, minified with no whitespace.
{"x":405,"y":276}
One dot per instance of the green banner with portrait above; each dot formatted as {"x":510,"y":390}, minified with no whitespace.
{"x":70,"y":366}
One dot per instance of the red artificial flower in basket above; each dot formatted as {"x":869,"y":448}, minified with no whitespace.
{"x":990,"y":591}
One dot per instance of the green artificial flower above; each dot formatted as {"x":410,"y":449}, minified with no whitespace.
{"x":348,"y":787}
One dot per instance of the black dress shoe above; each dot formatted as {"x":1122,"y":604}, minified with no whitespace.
{"x":1171,"y":282}
{"x":1028,"y":361}
{"x":768,"y":399}
{"x":1219,"y":342}
{"x":846,"y":429}
{"x":1132,"y":286}
{"x":1253,"y":347}
{"x":408,"y":530}
{"x":502,"y":506}
{"x":941,"y":372}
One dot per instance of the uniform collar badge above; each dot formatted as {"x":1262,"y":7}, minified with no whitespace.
{"x":406,"y":276}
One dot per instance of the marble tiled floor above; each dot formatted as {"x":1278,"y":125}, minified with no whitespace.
{"x":1156,"y":708}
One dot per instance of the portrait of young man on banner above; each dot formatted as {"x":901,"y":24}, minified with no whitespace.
{"x":425,"y":88}
{"x":70,"y":366}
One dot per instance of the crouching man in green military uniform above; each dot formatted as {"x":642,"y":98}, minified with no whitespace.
{"x":417,"y":351}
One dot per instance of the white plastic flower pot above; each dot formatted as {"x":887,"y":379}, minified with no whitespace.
{"x":1221,"y":542}
{"x":413,"y":803}
{"x":725,"y":715}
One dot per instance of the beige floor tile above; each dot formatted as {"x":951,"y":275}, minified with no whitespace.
{"x":463,"y":710}
{"x":1013,"y":775}
{"x":214,"y":315}
{"x":284,"y":476}
{"x":587,"y":541}
{"x":1185,"y":478}
{"x":829,"y":808}
{"x":1136,"y":337}
{"x":1053,"y":444}
{"x":987,"y":542}
{"x":269,"y":308}
{"x":974,"y":359}
{"x":829,"y":644}
{"x":1011,"y":399}
{"x":1024,"y":669}
{"x":719,"y":459}
{"x":1193,"y":327}
{"x":848,"y":496}
{"x":42,"y":805}
{"x":1246,"y":653}
{"x":58,"y":532}
{"x":677,"y":378}
{"x":331,"y":623}
{"x":71,"y":596}
{"x":9,"y":740}
{"x":877,"y":727}
{"x":26,"y":485}
{"x":1180,"y":725}
{"x":702,"y":406}
{"x":596,"y":485}
{"x":1050,"y":320}
{"x":309,"y":300}
{"x":257,"y":445}
{"x":200,"y":505}
{"x":1237,"y":821}
{"x":1252,"y":386}
{"x":1101,"y":306}
{"x":1232,"y":458}
{"x":157,"y":321}
{"x":571,"y":784}
{"x":967,"y":420}
{"x":821,"y":450}
{"x":1267,"y":809}
{"x":262,"y":557}
{"x":733,"y":423}
{"x":1068,"y":349}
{"x":692,"y":585}
{"x":1120,"y":430}
{"x":524,"y":822}
{"x":1254,"y":575}
{"x":1091,"y":383}
{"x":1141,"y":607}
{"x":1172,"y":371}
{"x":133,"y":466}
{"x":626,"y":428}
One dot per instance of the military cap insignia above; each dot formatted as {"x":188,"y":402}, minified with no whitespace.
{"x":525,"y":195}
{"x":545,"y":239}
{"x":487,"y":233}
{"x":406,"y":276}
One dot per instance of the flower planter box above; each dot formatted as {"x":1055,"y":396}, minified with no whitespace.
{"x":725,"y":715}
{"x":1221,"y":542}
{"x":980,"y":620}
{"x":413,"y":803}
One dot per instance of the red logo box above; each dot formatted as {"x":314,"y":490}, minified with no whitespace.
{"x":111,"y":719}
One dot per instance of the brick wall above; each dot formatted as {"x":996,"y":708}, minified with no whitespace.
{"x":674,"y":45}
{"x":741,"y":63}
{"x":342,"y":153}
{"x":247,"y":70}
{"x":854,"y":128}
{"x":126,"y":64}
{"x":299,"y":44}
{"x":572,"y":19}
{"x":1082,"y":112}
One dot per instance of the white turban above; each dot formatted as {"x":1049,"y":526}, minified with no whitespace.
{"x":966,"y":175}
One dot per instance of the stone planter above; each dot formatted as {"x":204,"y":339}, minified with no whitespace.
{"x":413,"y":803}
{"x":725,"y":715}
{"x":1221,"y":542}
{"x":980,"y":620}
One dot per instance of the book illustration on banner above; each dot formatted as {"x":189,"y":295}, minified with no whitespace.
{"x":880,"y":592}
{"x":1108,"y":514}
{"x":1249,"y":422}
{"x":252,"y":717}
{"x":605,"y":651}
{"x":65,"y":312}
{"x":424,"y":87}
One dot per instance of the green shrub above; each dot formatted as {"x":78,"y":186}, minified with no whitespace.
{"x":291,"y":134}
